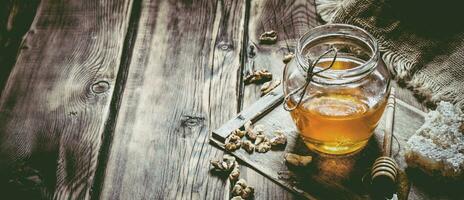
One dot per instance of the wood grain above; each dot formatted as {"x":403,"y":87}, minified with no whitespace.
{"x":181,"y":85}
{"x":290,"y":19}
{"x":55,"y":102}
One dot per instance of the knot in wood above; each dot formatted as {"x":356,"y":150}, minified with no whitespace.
{"x":191,"y":121}
{"x":226,"y":46}
{"x":100,"y":87}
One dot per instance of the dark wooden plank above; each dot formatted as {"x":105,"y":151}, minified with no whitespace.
{"x":290,"y":19}
{"x":328,"y":178}
{"x":56,"y":100}
{"x":181,"y":85}
{"x":15,"y":19}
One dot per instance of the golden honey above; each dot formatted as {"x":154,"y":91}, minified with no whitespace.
{"x":337,"y":102}
{"x":337,"y":123}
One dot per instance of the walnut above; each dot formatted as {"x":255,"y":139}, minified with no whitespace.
{"x":232,"y":142}
{"x":263,"y":147}
{"x":298,"y":160}
{"x":288,"y":57}
{"x":242,"y":190}
{"x":226,"y":164}
{"x":248,"y":146}
{"x":258,"y":77}
{"x":248,"y":192}
{"x":269,"y":37}
{"x":239,"y":133}
{"x":237,"y":190}
{"x":269,"y":86}
{"x":235,"y":173}
{"x":259,"y":139}
{"x":279,"y":140}
{"x":242,"y":182}
{"x":253,"y":132}
{"x":262,"y":143}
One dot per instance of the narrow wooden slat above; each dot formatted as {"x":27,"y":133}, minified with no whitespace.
{"x":290,"y":19}
{"x":56,"y":99}
{"x":181,"y":85}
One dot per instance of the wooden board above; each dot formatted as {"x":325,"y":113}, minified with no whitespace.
{"x":181,"y":85}
{"x":55,"y":104}
{"x":332,"y":178}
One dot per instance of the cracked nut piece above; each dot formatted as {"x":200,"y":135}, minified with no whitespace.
{"x":298,"y":160}
{"x":237,"y":190}
{"x":227,"y":163}
{"x":248,"y":146}
{"x":279,"y":140}
{"x":239,"y":133}
{"x":269,"y":37}
{"x":258,"y":77}
{"x":288,"y":57}
{"x":269,"y":86}
{"x":235,"y":173}
{"x":260,"y":139}
{"x":263,"y":147}
{"x":248,"y":192}
{"x":253,"y":132}
{"x":237,"y":198}
{"x":242,"y":189}
{"x":232,"y":143}
{"x":262,"y":144}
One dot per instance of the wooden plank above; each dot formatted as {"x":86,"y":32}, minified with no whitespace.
{"x":15,"y":19}
{"x":290,"y":19}
{"x":328,"y":178}
{"x":181,"y":85}
{"x":56,"y":100}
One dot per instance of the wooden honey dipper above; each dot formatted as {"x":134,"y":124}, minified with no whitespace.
{"x":385,"y":170}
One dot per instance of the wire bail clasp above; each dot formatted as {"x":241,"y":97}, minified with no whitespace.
{"x":309,"y":78}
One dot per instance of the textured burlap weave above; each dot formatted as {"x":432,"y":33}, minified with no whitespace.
{"x":422,"y":42}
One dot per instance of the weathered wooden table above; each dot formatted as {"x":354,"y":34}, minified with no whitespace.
{"x":116,"y":99}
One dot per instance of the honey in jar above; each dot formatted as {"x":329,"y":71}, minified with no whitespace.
{"x":342,"y":106}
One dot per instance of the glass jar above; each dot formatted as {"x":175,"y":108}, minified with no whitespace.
{"x":341,"y":106}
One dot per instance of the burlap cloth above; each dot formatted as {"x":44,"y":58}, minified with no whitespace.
{"x":422,"y":42}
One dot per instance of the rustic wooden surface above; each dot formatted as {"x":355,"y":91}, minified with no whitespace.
{"x":55,"y":103}
{"x":117,"y":99}
{"x":181,"y":84}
